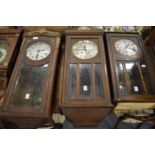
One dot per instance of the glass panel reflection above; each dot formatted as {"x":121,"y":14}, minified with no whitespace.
{"x":149,"y":87}
{"x":29,"y":86}
{"x":122,"y":83}
{"x":85,"y":81}
{"x":72,"y":81}
{"x":98,"y":81}
{"x":136,"y":86}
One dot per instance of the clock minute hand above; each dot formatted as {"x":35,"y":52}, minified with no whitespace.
{"x":85,"y":48}
{"x":126,"y":46}
{"x":37,"y":54}
{"x":42,"y":50}
{"x":39,"y":51}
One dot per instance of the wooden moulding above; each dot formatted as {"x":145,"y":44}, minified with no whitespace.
{"x":83,"y":32}
{"x":25,"y":123}
{"x":10,"y":31}
{"x":48,"y":28}
{"x":135,"y":105}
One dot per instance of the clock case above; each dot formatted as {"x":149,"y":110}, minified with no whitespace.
{"x":85,"y":112}
{"x":13,"y":39}
{"x":141,"y":55}
{"x":31,"y":117}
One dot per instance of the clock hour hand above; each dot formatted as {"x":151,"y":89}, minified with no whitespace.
{"x":85,"y":47}
{"x":126,"y":46}
{"x":132,"y":49}
{"x":39,"y":51}
{"x":38,"y":54}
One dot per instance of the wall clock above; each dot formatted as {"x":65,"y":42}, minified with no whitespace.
{"x":9,"y":47}
{"x":86,"y":95}
{"x":131,"y":71}
{"x":29,"y":97}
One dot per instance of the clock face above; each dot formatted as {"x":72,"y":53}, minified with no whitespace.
{"x":126,"y":47}
{"x":3,"y":49}
{"x":3,"y":53}
{"x":38,"y":51}
{"x":85,"y":49}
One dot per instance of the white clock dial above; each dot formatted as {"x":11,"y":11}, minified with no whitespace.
{"x":126,"y":47}
{"x":38,"y":51}
{"x":3,"y":53}
{"x":85,"y":49}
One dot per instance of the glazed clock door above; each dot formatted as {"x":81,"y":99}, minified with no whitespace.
{"x":84,"y":72}
{"x":30,"y":90}
{"x":85,"y":75}
{"x":130,"y":69}
{"x":4,"y":45}
{"x":31,"y":79}
{"x":9,"y":46}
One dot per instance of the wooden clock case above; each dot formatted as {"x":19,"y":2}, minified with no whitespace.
{"x":13,"y":39}
{"x":85,"y":112}
{"x":29,"y":116}
{"x":142,"y":62}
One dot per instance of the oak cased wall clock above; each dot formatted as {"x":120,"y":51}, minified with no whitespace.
{"x":86,"y":95}
{"x":28,"y":99}
{"x":9,"y":47}
{"x":131,"y":71}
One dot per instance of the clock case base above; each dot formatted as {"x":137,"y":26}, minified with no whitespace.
{"x":26,"y":123}
{"x":86,"y":117}
{"x":26,"y":120}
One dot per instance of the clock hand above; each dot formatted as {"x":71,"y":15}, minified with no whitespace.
{"x":37,"y":54}
{"x":43,"y":50}
{"x":85,"y":48}
{"x":126,"y":46}
{"x":133,"y":49}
